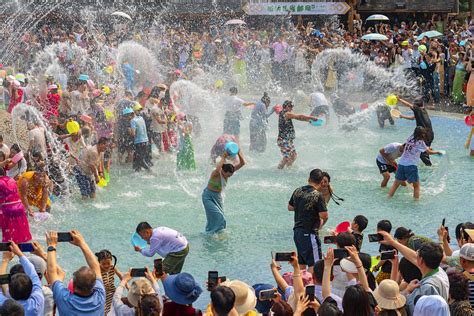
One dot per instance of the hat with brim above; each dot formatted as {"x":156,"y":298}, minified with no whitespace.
{"x":181,"y":288}
{"x":38,"y":263}
{"x":348,"y":266}
{"x":245,"y":299}
{"x":470,"y":232}
{"x":138,"y":288}
{"x":388,"y":295}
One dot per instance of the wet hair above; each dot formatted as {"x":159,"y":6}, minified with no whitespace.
{"x":84,"y":279}
{"x":233,"y":90}
{"x":361,"y":221}
{"x":154,"y":93}
{"x":356,"y":301}
{"x":149,"y":305}
{"x":222,"y":299}
{"x":37,"y":154}
{"x":402,"y":233}
{"x":142,"y":227}
{"x":265,"y":98}
{"x":17,"y":268}
{"x":367,"y":264}
{"x":103,"y":141}
{"x":431,"y":253}
{"x":281,"y":308}
{"x":419,"y":102}
{"x":106,"y":254}
{"x":345,"y":239}
{"x":11,"y":308}
{"x":332,"y":195}
{"x":458,"y":286}
{"x":287,"y":103}
{"x":384,"y":225}
{"x":227,"y":167}
{"x":15,"y":147}
{"x":20,"y":286}
{"x":316,"y":176}
{"x":419,"y":133}
{"x":408,"y":270}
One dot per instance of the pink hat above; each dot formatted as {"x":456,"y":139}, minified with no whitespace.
{"x":305,"y":275}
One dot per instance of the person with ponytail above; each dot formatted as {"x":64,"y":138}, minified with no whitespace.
{"x":108,"y":270}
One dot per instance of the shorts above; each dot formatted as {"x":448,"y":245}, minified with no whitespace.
{"x":321,"y":109}
{"x":384,"y":167}
{"x":174,"y":261}
{"x":86,"y":183}
{"x":407,"y":173}
{"x":308,"y":246}
{"x":287,"y":148}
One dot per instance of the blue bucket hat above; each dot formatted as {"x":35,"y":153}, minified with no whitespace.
{"x":127,"y":111}
{"x":262,"y":307}
{"x":181,"y":288}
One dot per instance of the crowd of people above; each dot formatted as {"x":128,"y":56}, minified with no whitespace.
{"x":78,"y":121}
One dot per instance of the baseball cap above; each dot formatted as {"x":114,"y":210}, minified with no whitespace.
{"x":39,"y":264}
{"x":467,"y":252}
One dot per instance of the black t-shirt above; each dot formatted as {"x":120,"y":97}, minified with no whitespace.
{"x":422,"y":118}
{"x":308,"y":203}
{"x":286,"y":129}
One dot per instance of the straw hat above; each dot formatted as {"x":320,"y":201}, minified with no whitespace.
{"x":388,"y":295}
{"x":245,"y":299}
{"x":138,"y":288}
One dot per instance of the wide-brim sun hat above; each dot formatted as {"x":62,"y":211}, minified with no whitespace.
{"x":245,"y":299}
{"x":138,"y":288}
{"x":348,"y":266}
{"x":181,"y":288}
{"x":388,"y":296}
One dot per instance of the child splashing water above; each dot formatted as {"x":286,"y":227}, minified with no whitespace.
{"x":407,"y":166}
{"x":108,"y":272}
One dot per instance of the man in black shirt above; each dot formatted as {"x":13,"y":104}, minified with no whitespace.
{"x":420,"y":114}
{"x":310,"y":215}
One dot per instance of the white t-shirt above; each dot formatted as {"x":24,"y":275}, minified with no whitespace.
{"x":75,"y":148}
{"x":38,"y":140}
{"x":163,"y":241}
{"x":412,"y":151}
{"x":392,"y":150}
{"x":318,"y":99}
{"x":4,"y":148}
{"x":155,"y":112}
{"x":234,"y":104}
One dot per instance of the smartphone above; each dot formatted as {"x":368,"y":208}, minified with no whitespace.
{"x":4,"y":279}
{"x":26,"y":247}
{"x":375,"y":237}
{"x":283,"y":256}
{"x":64,"y":237}
{"x":267,"y":295}
{"x":449,"y":237}
{"x":158,"y":264}
{"x":137,"y":272}
{"x":341,"y":253}
{"x":330,"y":239}
{"x":443,"y":222}
{"x":5,"y":246}
{"x":387,"y":255}
{"x":310,"y":290}
{"x":212,"y":278}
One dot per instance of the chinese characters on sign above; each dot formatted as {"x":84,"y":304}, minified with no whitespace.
{"x":298,"y":8}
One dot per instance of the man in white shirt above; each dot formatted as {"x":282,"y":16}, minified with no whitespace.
{"x":168,"y":243}
{"x":36,"y":138}
{"x":233,"y":114}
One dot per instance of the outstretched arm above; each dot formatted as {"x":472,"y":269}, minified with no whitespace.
{"x":405,"y":102}
{"x":241,"y":161}
{"x":404,"y":250}
{"x":91,"y":259}
{"x":300,"y":117}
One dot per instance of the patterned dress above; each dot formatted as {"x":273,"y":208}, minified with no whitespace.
{"x":109,"y":283}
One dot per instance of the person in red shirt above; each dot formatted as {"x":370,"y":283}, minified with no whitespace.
{"x":53,"y":101}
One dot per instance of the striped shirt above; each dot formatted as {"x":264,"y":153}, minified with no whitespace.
{"x":471,"y":288}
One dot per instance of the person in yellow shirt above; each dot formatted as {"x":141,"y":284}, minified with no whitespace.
{"x":34,"y":187}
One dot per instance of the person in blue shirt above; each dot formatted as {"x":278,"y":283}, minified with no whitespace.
{"x":138,"y":132}
{"x":88,"y":297}
{"x":25,"y":288}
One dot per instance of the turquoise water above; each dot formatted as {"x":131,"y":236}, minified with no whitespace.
{"x":257,"y":196}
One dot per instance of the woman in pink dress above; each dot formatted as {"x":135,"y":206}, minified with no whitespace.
{"x":14,"y":222}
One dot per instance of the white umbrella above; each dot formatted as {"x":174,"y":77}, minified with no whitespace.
{"x":122,"y":14}
{"x":235,"y":22}
{"x":377,"y":17}
{"x":374,"y":37}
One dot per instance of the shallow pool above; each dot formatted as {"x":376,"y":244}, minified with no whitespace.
{"x":257,"y":196}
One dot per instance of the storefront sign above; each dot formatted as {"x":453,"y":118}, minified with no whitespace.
{"x":298,"y":8}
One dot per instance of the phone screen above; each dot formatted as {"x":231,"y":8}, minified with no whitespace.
{"x":137,"y":272}
{"x":387,"y":255}
{"x":283,"y":256}
{"x":266,"y":295}
{"x":341,"y":253}
{"x":310,"y":292}
{"x":4,"y":279}
{"x":64,"y":237}
{"x":443,"y":222}
{"x":26,"y":247}
{"x":375,"y":237}
{"x":212,"y":278}
{"x":329,"y":239}
{"x":5,"y":246}
{"x":158,"y":263}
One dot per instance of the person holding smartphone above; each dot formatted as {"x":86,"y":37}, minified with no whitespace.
{"x":310,"y":215}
